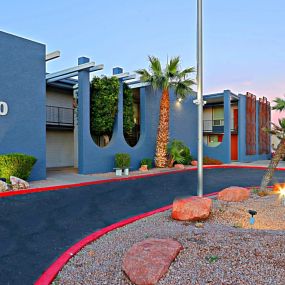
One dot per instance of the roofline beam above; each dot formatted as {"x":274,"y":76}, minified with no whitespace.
{"x":72,"y":74}
{"x":138,"y":84}
{"x":122,"y":75}
{"x":53,"y":55}
{"x":70,"y":70}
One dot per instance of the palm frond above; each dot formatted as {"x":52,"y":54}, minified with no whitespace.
{"x":155,"y":65}
{"x":172,"y":67}
{"x":279,"y":104}
{"x":145,"y":76}
{"x":182,"y":88}
{"x":184,"y":74}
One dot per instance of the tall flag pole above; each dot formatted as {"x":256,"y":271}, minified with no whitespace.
{"x":200,"y":101}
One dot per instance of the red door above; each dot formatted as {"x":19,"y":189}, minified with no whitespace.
{"x":234,"y":147}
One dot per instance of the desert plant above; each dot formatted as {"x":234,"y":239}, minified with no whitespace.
{"x":187,"y":155}
{"x":211,"y":161}
{"x":16,"y":164}
{"x":178,"y":152}
{"x":278,"y":131}
{"x":122,"y":160}
{"x":148,"y":162}
{"x":164,"y":79}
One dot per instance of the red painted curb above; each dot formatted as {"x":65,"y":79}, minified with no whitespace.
{"x":49,"y":275}
{"x":68,"y":186}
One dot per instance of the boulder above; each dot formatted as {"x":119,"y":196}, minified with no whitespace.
{"x":179,"y":166}
{"x":18,"y":183}
{"x":191,"y":209}
{"x":146,"y":262}
{"x":143,"y":168}
{"x":234,"y":194}
{"x":194,"y":162}
{"x":3,"y":186}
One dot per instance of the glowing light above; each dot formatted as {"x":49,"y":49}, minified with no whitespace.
{"x":179,"y":100}
{"x":281,"y":188}
{"x":282,"y":192}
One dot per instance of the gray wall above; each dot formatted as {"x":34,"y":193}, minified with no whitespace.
{"x":22,"y":81}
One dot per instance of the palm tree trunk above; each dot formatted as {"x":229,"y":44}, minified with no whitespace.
{"x":272,"y":166}
{"x":163,"y":131}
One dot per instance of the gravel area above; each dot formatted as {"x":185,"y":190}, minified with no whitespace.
{"x":226,"y":250}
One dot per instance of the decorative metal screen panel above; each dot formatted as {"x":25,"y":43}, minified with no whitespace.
{"x":250,"y":124}
{"x":264,"y":123}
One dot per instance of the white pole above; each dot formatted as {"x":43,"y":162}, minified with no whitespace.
{"x":200,"y":95}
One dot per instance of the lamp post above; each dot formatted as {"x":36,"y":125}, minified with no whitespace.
{"x":199,"y":100}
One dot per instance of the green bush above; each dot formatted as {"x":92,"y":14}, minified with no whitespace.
{"x":178,"y":152}
{"x":122,"y":160}
{"x":148,"y":162}
{"x":103,"y":105}
{"x":128,"y":116}
{"x":187,"y":155}
{"x":16,"y":164}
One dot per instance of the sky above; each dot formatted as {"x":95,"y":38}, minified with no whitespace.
{"x":244,"y":40}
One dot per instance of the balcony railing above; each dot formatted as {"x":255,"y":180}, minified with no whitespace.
{"x":59,"y":116}
{"x":217,"y":126}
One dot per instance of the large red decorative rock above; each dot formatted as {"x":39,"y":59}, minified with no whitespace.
{"x":146,"y":262}
{"x":179,"y":166}
{"x":234,"y":194}
{"x":191,"y":209}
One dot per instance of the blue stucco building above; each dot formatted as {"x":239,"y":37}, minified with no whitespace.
{"x":41,"y":120}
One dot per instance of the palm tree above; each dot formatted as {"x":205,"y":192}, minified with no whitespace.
{"x":279,"y":104}
{"x":165,"y":79}
{"x":278,"y":131}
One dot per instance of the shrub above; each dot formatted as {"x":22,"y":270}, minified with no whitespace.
{"x":178,"y":152}
{"x":148,"y":162}
{"x":122,"y":160}
{"x":16,"y":164}
{"x":211,"y":161}
{"x":103,"y":105}
{"x":187,"y":155}
{"x":128,"y":116}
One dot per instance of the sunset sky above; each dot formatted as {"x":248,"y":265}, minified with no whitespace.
{"x":243,"y":40}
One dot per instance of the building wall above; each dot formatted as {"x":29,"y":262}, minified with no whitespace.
{"x":223,"y":150}
{"x":242,"y":134}
{"x":22,"y":81}
{"x":59,"y":97}
{"x":59,"y":148}
{"x":92,"y":159}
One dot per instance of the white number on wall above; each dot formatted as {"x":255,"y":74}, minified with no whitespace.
{"x":3,"y":108}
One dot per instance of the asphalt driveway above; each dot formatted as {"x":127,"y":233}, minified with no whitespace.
{"x":35,"y":229}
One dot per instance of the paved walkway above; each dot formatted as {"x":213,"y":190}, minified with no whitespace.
{"x":68,"y":175}
{"x":35,"y":229}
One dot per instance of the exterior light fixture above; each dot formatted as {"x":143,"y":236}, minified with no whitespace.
{"x":252,"y":213}
{"x":179,"y":100}
{"x":282,"y":195}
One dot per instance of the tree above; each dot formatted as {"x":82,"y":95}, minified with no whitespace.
{"x":278,"y":131}
{"x":165,"y":79}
